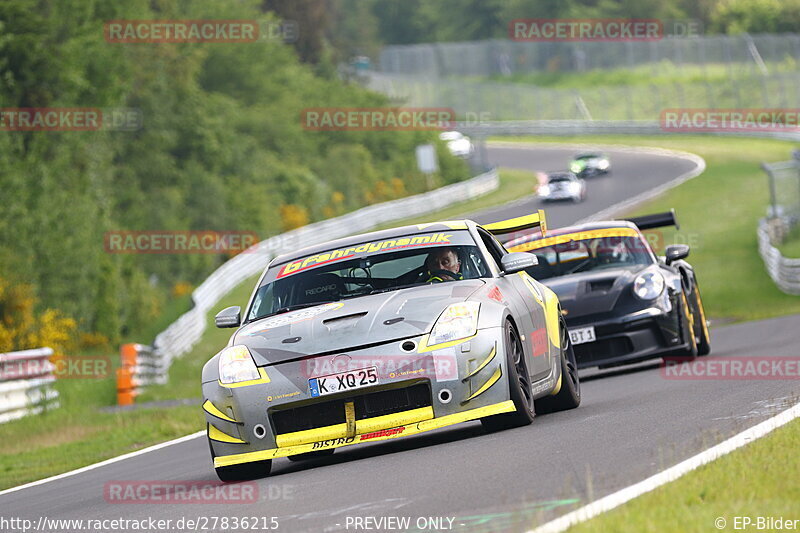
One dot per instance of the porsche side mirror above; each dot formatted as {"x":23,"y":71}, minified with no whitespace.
{"x":675,"y":252}
{"x":229,"y":317}
{"x":517,"y":262}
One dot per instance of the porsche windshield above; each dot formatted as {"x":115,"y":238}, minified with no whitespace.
{"x":368,"y":268}
{"x":563,"y":258}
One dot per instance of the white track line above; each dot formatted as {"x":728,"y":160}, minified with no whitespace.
{"x":106,"y":462}
{"x":670,"y":474}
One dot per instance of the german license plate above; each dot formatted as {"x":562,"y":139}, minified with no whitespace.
{"x":582,"y":335}
{"x":343,"y":381}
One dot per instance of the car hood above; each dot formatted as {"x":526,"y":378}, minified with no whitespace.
{"x":592,"y":292}
{"x":373,"y":319}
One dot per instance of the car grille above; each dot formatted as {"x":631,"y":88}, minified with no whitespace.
{"x":603,"y":349}
{"x":332,"y":412}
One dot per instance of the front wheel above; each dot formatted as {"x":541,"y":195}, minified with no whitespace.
{"x":519,"y":385}
{"x":568,"y":391}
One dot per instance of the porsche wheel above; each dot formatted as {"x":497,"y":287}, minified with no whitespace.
{"x":687,"y":323}
{"x":568,"y":391}
{"x":701,"y":323}
{"x":519,"y":385}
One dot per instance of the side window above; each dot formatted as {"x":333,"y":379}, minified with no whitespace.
{"x":495,"y":249}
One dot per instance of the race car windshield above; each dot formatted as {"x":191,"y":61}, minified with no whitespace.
{"x":576,"y":256}
{"x":369,"y":274}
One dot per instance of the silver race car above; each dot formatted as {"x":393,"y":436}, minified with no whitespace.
{"x":562,"y":186}
{"x":382,"y":336}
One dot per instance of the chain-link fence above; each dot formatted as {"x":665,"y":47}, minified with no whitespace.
{"x":739,"y":54}
{"x":512,"y":101}
{"x":784,"y":188}
{"x":783,"y":215}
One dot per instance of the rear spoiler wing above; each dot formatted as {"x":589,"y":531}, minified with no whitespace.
{"x":657,"y":220}
{"x":536,"y":220}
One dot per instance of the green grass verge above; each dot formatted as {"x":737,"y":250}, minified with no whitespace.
{"x":760,"y":479}
{"x":718,"y":213}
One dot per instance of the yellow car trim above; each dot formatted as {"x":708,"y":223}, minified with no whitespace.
{"x":219,"y":436}
{"x":577,"y":236}
{"x":536,"y":220}
{"x":367,"y":425}
{"x":558,"y":386}
{"x":211,"y":409}
{"x":263,"y":379}
{"x":401,"y":431}
{"x":491,"y":381}
{"x":482,"y":365}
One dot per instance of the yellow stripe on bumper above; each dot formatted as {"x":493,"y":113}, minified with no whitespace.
{"x":367,"y":425}
{"x":401,"y":431}
{"x":219,"y":436}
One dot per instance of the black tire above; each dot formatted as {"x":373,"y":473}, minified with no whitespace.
{"x":700,"y":323}
{"x":569,"y":393}
{"x":312,"y":455}
{"x":519,"y":385}
{"x":243,"y":472}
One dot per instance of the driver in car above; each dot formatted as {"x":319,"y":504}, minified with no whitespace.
{"x":443,"y":264}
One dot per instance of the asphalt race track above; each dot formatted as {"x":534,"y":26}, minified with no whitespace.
{"x":632,"y":423}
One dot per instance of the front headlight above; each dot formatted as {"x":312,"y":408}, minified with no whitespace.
{"x":648,"y":285}
{"x":458,"y":321}
{"x":544,"y":190}
{"x":575,"y":168}
{"x":603,"y":164}
{"x":237,"y":365}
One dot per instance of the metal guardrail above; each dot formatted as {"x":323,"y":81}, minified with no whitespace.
{"x":187,"y":330}
{"x":26,"y":383}
{"x":783,"y":214}
{"x":784,"y":272}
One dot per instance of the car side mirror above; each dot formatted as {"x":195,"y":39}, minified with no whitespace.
{"x":675,"y":252}
{"x":517,"y":261}
{"x":230,"y":317}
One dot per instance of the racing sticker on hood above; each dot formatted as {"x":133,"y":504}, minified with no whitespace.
{"x":292,"y":317}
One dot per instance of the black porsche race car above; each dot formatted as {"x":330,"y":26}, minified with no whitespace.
{"x":622,"y":303}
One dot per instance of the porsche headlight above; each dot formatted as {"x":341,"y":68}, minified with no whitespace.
{"x":458,"y":321}
{"x":544,"y":190}
{"x":603,"y":164}
{"x":648,"y":285}
{"x":237,"y":365}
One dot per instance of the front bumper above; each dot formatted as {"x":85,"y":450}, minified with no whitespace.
{"x":630,"y":338}
{"x":417,"y":391}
